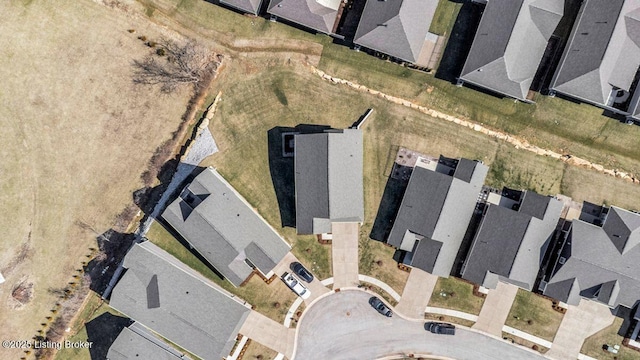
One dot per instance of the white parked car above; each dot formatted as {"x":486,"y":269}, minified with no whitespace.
{"x":294,"y":284}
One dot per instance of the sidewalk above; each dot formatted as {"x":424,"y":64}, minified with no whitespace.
{"x":496,"y":308}
{"x":417,"y":293}
{"x":344,"y":248}
{"x":269,"y":333}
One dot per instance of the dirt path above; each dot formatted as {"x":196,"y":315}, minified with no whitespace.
{"x":517,"y":142}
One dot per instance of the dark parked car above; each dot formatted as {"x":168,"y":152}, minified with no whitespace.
{"x":440,"y":328}
{"x":380,"y":306}
{"x":301,"y":271}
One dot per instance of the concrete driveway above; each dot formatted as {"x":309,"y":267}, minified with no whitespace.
{"x":269,"y":333}
{"x":344,"y":254}
{"x":315,"y":286}
{"x":579,"y":323}
{"x":344,"y":326}
{"x":417,"y":293}
{"x":496,"y":308}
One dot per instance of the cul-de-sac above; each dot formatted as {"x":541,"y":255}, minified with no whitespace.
{"x":320,"y":179}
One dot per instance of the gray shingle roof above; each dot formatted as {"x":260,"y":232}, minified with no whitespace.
{"x":130,"y":345}
{"x":509,"y":44}
{"x":320,"y":15}
{"x":193,"y":312}
{"x":250,"y":6}
{"x":511,"y":243}
{"x":603,"y":51}
{"x":438,"y":208}
{"x":328,"y":179}
{"x":224,"y":228}
{"x":397,"y":27}
{"x":594,"y":264}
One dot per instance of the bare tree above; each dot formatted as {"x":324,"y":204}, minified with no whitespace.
{"x":174,"y":64}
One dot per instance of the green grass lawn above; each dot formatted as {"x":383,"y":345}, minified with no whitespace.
{"x":445,"y":17}
{"x":533,"y":314}
{"x":455,"y":294}
{"x":593,"y":344}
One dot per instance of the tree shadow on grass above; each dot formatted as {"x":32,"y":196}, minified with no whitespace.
{"x":103,"y":331}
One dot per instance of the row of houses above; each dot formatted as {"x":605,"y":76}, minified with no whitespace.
{"x":597,"y":254}
{"x":599,"y":65}
{"x":166,"y":297}
{"x":398,"y":28}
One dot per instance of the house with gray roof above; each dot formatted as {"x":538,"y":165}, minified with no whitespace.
{"x":248,"y":6}
{"x":223,"y":227}
{"x":509,"y":44}
{"x":319,"y":15}
{"x":599,"y":260}
{"x":602,"y":57}
{"x":130,"y":345}
{"x":174,"y":301}
{"x":328,"y":179}
{"x":512,"y":239}
{"x":399,"y":28}
{"x":435,"y":211}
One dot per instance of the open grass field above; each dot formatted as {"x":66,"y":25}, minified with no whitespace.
{"x":533,"y":314}
{"x":76,"y":135}
{"x":609,"y":336}
{"x":455,"y":294}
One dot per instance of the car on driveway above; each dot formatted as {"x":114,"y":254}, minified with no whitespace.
{"x":440,"y":328}
{"x":380,"y":306}
{"x":301,"y":271}
{"x":294,"y":284}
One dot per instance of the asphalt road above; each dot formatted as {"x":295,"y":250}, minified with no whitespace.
{"x":344,"y":326}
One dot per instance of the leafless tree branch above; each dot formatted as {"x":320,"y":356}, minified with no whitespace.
{"x":187,"y":63}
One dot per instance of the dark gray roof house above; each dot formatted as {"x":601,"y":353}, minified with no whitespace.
{"x":399,"y":28}
{"x":512,"y":240}
{"x":435,"y":211}
{"x":601,"y":263}
{"x":220,"y":225}
{"x":602,"y":56}
{"x":328,"y":179}
{"x":319,"y":15}
{"x":130,"y":345}
{"x":509,"y":44}
{"x":166,"y":296}
{"x":249,"y":6}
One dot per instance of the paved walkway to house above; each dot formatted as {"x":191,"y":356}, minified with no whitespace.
{"x":417,"y":293}
{"x":316,"y":287}
{"x":578,"y":323}
{"x":496,"y":308}
{"x":344,"y":254}
{"x":269,"y":333}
